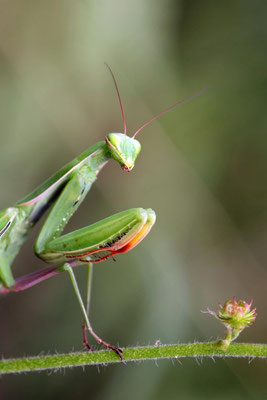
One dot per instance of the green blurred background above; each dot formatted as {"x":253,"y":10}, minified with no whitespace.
{"x":202,"y":169}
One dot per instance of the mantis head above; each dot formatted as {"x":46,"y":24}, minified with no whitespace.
{"x":125,"y":149}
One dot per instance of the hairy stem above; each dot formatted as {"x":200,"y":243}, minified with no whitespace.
{"x":105,"y":357}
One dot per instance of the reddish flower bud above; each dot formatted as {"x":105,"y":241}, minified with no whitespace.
{"x":235,"y":316}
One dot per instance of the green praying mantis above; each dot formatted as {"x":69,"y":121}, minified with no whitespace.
{"x":64,"y":192}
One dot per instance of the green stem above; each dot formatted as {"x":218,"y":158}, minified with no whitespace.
{"x":225,"y":343}
{"x":132,"y":354}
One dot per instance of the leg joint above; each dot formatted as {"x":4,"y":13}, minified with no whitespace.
{"x":65,"y":267}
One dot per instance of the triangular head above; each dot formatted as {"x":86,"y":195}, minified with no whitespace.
{"x":124,"y":149}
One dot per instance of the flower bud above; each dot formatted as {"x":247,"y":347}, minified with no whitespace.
{"x":235,"y":316}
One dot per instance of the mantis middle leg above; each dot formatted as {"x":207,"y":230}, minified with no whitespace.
{"x":116,"y":234}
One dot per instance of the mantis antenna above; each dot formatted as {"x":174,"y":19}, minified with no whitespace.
{"x":185,"y":100}
{"x":170,"y":108}
{"x":119,"y":97}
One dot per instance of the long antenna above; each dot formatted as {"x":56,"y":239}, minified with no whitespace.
{"x":170,"y":108}
{"x":119,"y":97}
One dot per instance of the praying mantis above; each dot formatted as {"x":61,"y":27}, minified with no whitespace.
{"x":64,"y":193}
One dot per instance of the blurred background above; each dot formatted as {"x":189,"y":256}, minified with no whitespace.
{"x":202,"y":169}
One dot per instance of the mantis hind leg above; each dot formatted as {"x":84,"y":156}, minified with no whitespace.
{"x":66,"y":267}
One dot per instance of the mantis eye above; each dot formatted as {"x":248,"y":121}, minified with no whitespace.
{"x":124,"y":149}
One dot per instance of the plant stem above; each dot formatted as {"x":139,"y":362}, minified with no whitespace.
{"x":105,"y":357}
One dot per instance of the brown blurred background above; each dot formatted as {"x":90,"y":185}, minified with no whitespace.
{"x":202,"y":169}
